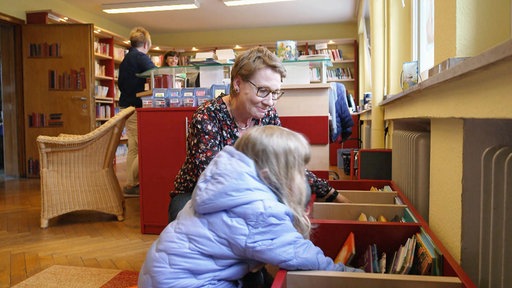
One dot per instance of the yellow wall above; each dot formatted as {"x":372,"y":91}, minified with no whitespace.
{"x":446,"y":192}
{"x":220,"y":38}
{"x":462,"y":28}
{"x":465,"y":28}
{"x":399,"y":42}
{"x":256,"y":36}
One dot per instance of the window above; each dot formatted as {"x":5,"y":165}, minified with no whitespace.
{"x":423,"y":34}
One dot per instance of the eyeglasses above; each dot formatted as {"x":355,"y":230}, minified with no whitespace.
{"x":263,"y":92}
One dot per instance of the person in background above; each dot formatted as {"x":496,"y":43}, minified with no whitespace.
{"x":247,"y":210}
{"x":256,"y":78}
{"x":134,"y":62}
{"x":171,"y":58}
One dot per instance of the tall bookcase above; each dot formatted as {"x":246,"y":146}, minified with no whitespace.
{"x":109,"y":51}
{"x":344,"y":69}
{"x":343,"y":54}
{"x":57,"y":72}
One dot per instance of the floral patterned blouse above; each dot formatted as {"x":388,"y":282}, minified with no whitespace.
{"x":212,"y":128}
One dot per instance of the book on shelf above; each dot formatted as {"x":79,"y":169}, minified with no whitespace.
{"x":409,"y":257}
{"x":368,"y":260}
{"x":44,"y":50}
{"x":371,"y":261}
{"x":402,"y":261}
{"x":429,"y":260}
{"x":72,"y":80}
{"x":347,"y":251}
{"x":314,"y":57}
{"x":333,"y":54}
{"x":375,"y":258}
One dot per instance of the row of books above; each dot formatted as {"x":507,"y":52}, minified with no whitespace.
{"x":44,"y":49}
{"x":103,"y":111}
{"x":334,"y":54}
{"x":72,"y":80}
{"x":36,"y":120}
{"x":102,"y":48}
{"x":100,"y":91}
{"x":119,"y":53}
{"x":417,"y":256}
{"x":99,"y":69}
{"x":340,"y":73}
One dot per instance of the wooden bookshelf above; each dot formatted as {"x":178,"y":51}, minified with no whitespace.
{"x":330,"y":232}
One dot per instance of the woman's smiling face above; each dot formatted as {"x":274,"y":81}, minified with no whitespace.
{"x":252,"y":103}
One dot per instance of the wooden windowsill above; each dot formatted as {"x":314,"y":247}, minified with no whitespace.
{"x":475,"y":88}
{"x":502,"y":52}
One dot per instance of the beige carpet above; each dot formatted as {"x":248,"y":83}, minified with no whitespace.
{"x":59,"y":276}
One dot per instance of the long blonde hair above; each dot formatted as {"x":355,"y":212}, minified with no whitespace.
{"x":280,"y":156}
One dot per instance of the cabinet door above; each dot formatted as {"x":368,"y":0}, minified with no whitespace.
{"x":162,"y":150}
{"x":57,"y":74}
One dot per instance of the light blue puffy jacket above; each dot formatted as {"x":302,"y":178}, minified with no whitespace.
{"x":233,"y":224}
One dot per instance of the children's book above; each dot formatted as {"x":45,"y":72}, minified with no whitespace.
{"x":368,"y":260}
{"x":347,"y":251}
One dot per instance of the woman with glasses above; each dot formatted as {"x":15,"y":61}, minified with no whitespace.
{"x":256,"y":79}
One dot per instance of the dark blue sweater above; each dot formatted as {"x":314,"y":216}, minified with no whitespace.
{"x":134,"y":62}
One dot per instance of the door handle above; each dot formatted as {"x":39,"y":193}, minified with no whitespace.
{"x":81,"y":98}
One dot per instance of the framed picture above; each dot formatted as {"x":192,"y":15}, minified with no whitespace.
{"x":409,"y":74}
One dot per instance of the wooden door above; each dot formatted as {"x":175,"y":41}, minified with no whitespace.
{"x":57,"y":73}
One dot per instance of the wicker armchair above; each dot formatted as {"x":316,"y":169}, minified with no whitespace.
{"x":77,"y":171}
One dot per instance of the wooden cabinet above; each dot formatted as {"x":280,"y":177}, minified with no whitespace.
{"x":162,"y":151}
{"x":70,"y":82}
{"x":331,"y":229}
{"x":58,"y":73}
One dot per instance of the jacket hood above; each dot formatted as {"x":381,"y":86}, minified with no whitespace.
{"x":230,"y":180}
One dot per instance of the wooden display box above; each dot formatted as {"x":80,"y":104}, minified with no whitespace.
{"x":329,"y":235}
{"x":331,"y":232}
{"x":375,"y":197}
{"x":362,"y":184}
{"x":351,"y":211}
{"x":329,"y":279}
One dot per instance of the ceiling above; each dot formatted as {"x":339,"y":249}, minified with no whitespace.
{"x":214,"y":15}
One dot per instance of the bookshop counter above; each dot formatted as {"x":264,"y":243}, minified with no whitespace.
{"x":162,"y":144}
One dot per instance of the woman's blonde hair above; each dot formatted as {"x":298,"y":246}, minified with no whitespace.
{"x":249,"y":62}
{"x":281,"y":156}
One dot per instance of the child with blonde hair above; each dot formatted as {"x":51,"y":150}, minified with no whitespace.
{"x":247,"y":210}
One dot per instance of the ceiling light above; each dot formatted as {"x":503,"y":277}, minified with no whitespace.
{"x":149,"y":6}
{"x":249,"y":2}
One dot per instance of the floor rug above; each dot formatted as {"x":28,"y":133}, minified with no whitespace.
{"x":59,"y":276}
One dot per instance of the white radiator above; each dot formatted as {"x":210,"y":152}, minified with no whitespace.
{"x":411,"y":167}
{"x":495,"y":251}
